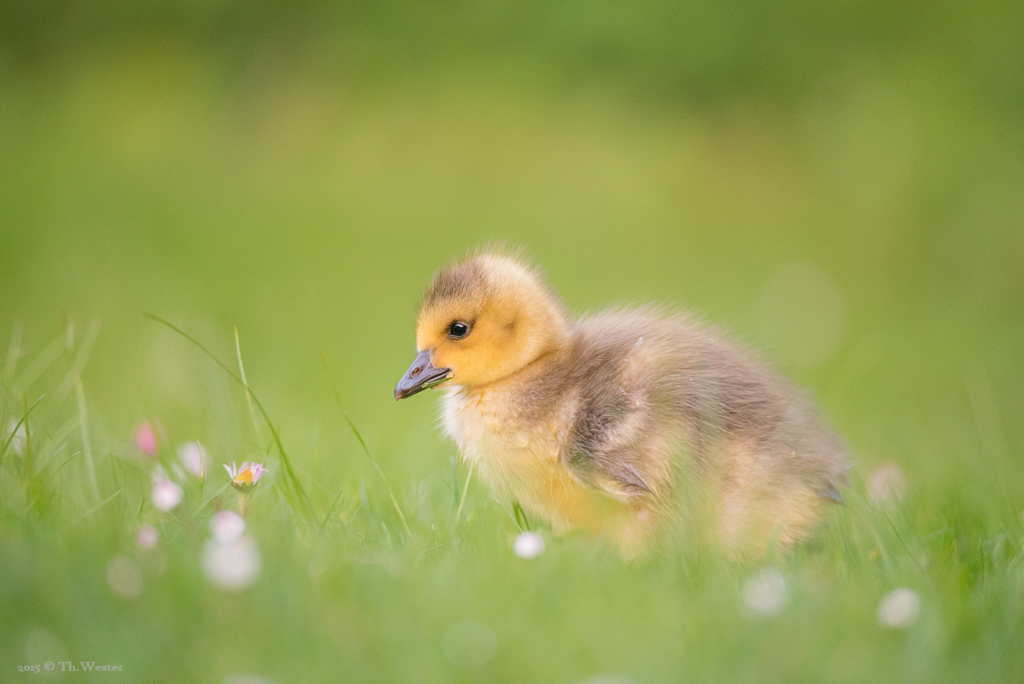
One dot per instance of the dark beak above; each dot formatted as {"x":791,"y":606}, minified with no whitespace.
{"x":420,"y":376}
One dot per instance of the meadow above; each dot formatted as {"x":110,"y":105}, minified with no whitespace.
{"x":838,"y":185}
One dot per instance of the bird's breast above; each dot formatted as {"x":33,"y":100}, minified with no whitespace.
{"x":492,"y":433}
{"x":517,"y":452}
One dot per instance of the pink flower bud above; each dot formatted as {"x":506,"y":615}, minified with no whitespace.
{"x":145,"y":438}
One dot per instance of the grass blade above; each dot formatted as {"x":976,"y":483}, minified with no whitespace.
{"x":359,"y":437}
{"x":290,"y":478}
{"x":521,"y":515}
{"x":100,"y":505}
{"x":17,"y":426}
{"x":41,"y":363}
{"x":465,"y":490}
{"x":248,"y":399}
{"x":330,"y":511}
{"x":13,"y":353}
{"x":514,"y":520}
{"x":83,"y":423}
{"x":81,"y":358}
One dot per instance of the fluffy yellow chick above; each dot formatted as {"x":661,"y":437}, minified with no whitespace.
{"x":602,"y":423}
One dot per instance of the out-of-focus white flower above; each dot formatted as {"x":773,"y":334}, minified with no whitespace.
{"x":193,"y":456}
{"x":146,"y":537}
{"x":245,"y":477}
{"x":887,"y":485}
{"x":528,"y":545}
{"x":232,"y":566}
{"x":145,"y":438}
{"x":765,"y":592}
{"x":469,"y":644}
{"x":42,"y":645}
{"x":227,"y":527}
{"x":124,"y":577}
{"x":243,"y":678}
{"x":18,"y":437}
{"x":899,"y":608}
{"x":166,"y":495}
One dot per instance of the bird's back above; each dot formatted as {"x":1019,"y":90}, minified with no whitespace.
{"x":652,"y":392}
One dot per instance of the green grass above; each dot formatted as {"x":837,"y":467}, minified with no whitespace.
{"x":837,"y":185}
{"x":352,"y":595}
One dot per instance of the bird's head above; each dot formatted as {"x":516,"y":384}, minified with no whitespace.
{"x":482,"y":319}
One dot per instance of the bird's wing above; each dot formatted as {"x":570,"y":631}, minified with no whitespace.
{"x":606,"y":448}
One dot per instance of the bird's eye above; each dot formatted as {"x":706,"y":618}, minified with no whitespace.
{"x":457,"y":330}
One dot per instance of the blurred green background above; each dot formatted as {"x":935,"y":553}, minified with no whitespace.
{"x":840,"y":184}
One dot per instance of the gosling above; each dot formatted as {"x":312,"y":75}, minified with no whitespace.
{"x":602,"y":423}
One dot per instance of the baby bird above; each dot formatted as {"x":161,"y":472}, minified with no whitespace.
{"x":601,"y":423}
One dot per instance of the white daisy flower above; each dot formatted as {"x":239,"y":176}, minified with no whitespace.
{"x":899,"y":608}
{"x":765,"y":592}
{"x":193,"y":456}
{"x":528,"y":545}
